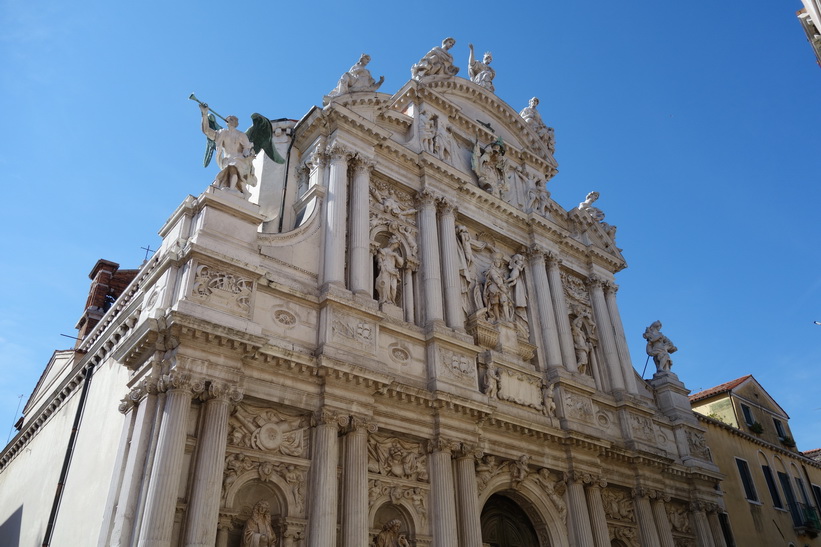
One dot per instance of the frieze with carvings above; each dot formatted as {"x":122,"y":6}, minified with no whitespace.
{"x":393,"y":457}
{"x":295,"y":477}
{"x":457,"y":365}
{"x":618,"y":505}
{"x":221,"y":289}
{"x":642,"y":428}
{"x":626,"y":534}
{"x":359,"y":331}
{"x":698,"y":446}
{"x":578,"y":407}
{"x":396,"y":493}
{"x":268,"y":430}
{"x":575,"y":289}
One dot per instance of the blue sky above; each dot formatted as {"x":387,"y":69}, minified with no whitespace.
{"x":698,"y":123}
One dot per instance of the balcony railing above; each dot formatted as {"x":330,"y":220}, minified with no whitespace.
{"x":806,"y":517}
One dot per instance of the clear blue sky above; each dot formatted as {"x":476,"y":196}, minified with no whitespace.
{"x":699,"y":123}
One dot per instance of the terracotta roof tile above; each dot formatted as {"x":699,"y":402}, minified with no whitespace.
{"x":723,"y":388}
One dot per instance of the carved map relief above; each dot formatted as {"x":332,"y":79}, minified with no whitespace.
{"x":399,"y":458}
{"x":457,"y":365}
{"x":268,"y":430}
{"x":520,"y":388}
{"x":578,"y":407}
{"x":221,"y":289}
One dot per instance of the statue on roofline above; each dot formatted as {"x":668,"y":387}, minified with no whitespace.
{"x":437,"y":64}
{"x":358,"y":78}
{"x":236,"y":150}
{"x":479,"y":71}
{"x":532,"y":117}
{"x":659,"y":347}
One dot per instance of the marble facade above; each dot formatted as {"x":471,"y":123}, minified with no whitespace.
{"x":399,"y":339}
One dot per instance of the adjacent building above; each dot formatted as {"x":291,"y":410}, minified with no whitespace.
{"x":396,"y":337}
{"x":810,"y":18}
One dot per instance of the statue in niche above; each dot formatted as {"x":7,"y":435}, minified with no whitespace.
{"x":437,"y":64}
{"x":516,"y":283}
{"x":479,"y":71}
{"x":390,"y":205}
{"x":427,"y":133}
{"x":581,"y":344}
{"x":258,"y":530}
{"x":471,"y":294}
{"x":390,"y":262}
{"x":358,"y":78}
{"x":596,"y":213}
{"x":549,"y":404}
{"x":519,"y":470}
{"x":532,"y":117}
{"x":492,"y":380}
{"x":659,"y":347}
{"x":390,"y":536}
{"x":497,"y":301}
{"x":489,"y":165}
{"x":443,"y":145}
{"x":538,"y":197}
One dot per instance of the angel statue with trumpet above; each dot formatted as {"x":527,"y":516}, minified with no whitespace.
{"x":236,"y":150}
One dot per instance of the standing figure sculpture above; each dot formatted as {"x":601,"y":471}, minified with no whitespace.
{"x":496,"y":299}
{"x":390,"y":536}
{"x":471,"y":292}
{"x":427,"y":132}
{"x":581,"y":344}
{"x":235,"y":153}
{"x":492,"y":379}
{"x":437,"y":64}
{"x":659,"y":347}
{"x":516,"y":282}
{"x":358,"y":78}
{"x":532,"y":117}
{"x":489,"y":166}
{"x":479,"y":71}
{"x":258,"y":531}
{"x":390,"y":262}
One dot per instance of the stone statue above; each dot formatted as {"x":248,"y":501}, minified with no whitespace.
{"x":538,"y":198}
{"x":390,"y":536}
{"x":519,"y":470}
{"x":258,"y":531}
{"x":492,"y":379}
{"x":581,"y":344}
{"x":497,"y":301}
{"x":532,"y":117}
{"x":443,"y":145}
{"x":659,"y":347}
{"x":390,"y":204}
{"x":489,"y":165}
{"x":471,"y":294}
{"x":549,"y":408}
{"x":358,"y":78}
{"x":427,"y":132}
{"x":596,"y":213}
{"x":515,"y":281}
{"x":389,"y":261}
{"x":235,"y":153}
{"x":479,"y":71}
{"x":437,"y":64}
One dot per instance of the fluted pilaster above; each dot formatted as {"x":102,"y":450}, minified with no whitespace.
{"x":715,"y":526}
{"x":626,"y":362}
{"x":336,"y":216}
{"x":644,"y":516}
{"x":704,"y":536}
{"x":560,"y":309}
{"x":605,"y":329}
{"x":598,"y":520}
{"x":454,"y":315}
{"x":443,"y":508}
{"x":203,"y":505}
{"x":355,"y":484}
{"x":431,"y":281}
{"x":161,"y":500}
{"x":467,"y":496}
{"x":662,"y":520}
{"x":360,"y":228}
{"x":324,"y":486}
{"x":577,"y":510}
{"x":544,"y":301}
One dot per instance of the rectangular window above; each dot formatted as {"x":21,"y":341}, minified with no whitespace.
{"x":746,"y":480}
{"x":748,"y":414}
{"x":817,"y":491}
{"x":802,"y":490}
{"x":768,"y":476}
{"x":786,"y":486}
{"x":779,"y":428}
{"x":726,"y":530}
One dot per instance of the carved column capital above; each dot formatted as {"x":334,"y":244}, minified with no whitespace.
{"x":336,"y":152}
{"x":447,"y":206}
{"x":467,"y":450}
{"x":359,"y":423}
{"x":180,"y":381}
{"x":363,"y":165}
{"x":426,"y":197}
{"x":552,"y":258}
{"x":581,"y":477}
{"x":697,"y":506}
{"x":440,"y":444}
{"x":594,"y":282}
{"x":327,"y":416}
{"x":537,"y":253}
{"x":222,"y":391}
{"x":611,"y":287}
{"x":641,"y":492}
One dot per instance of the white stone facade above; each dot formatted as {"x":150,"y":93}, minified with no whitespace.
{"x":400,"y":325}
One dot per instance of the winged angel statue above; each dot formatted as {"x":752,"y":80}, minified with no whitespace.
{"x":236,"y":150}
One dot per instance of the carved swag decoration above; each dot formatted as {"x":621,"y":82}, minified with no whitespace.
{"x":268,"y":430}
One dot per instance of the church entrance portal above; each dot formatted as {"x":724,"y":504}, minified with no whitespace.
{"x":505,"y":524}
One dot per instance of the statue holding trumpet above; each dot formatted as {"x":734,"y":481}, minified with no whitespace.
{"x":236,"y":150}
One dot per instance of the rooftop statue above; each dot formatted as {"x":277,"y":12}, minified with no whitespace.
{"x":596,"y":213}
{"x":236,"y":150}
{"x":659,"y":347}
{"x":358,"y":78}
{"x":437,"y":64}
{"x":532,"y":117}
{"x":479,"y":71}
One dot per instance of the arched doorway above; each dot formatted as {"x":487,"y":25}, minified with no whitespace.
{"x":505,"y":524}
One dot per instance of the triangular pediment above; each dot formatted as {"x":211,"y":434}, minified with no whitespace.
{"x":56,"y":371}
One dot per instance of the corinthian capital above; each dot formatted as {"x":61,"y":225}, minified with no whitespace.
{"x":447,"y":206}
{"x":426,"y":198}
{"x":363,"y":165}
{"x":338,"y":152}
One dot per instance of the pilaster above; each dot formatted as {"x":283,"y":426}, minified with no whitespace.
{"x":355,"y":483}
{"x":431,"y":269}
{"x":360,"y":240}
{"x":336,"y":216}
{"x":560,"y":309}
{"x":443,"y":508}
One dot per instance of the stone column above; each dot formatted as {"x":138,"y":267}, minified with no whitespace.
{"x":610,"y":290}
{"x":161,"y":499}
{"x":662,"y":520}
{"x":560,"y":308}
{"x":360,"y":268}
{"x":443,"y":508}
{"x":467,"y":496}
{"x":454,"y":314}
{"x":644,"y":516}
{"x":203,"y":505}
{"x":144,"y":397}
{"x":223,"y":526}
{"x":336,"y":216}
{"x":431,"y":283}
{"x":704,"y":536}
{"x":324,"y":485}
{"x":598,"y":520}
{"x":605,"y":329}
{"x":355,"y":484}
{"x":577,"y":508}
{"x":715,"y":525}
{"x":550,"y":334}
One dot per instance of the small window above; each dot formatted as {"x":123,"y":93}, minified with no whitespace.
{"x":786,"y":486}
{"x":724,"y":520}
{"x":746,"y":480}
{"x":748,"y":414}
{"x":768,"y":476}
{"x":779,"y":428}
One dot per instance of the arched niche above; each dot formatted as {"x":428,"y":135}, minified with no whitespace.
{"x":382,"y":238}
{"x":244,"y":495}
{"x":383,"y":511}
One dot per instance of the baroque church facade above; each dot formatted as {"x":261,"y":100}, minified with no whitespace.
{"x":395,"y":338}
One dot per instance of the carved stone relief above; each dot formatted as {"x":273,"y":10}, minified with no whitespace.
{"x":393,"y":457}
{"x":698,"y":446}
{"x":575,"y":290}
{"x":268,"y":430}
{"x":415,"y":495}
{"x":642,"y":428}
{"x":295,"y":477}
{"x":679,"y":518}
{"x":359,"y":331}
{"x":578,"y":407}
{"x":618,"y":505}
{"x":489,"y":165}
{"x":626,"y":534}
{"x":521,"y":389}
{"x":555,"y":488}
{"x":223,"y":290}
{"x":457,"y":365}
